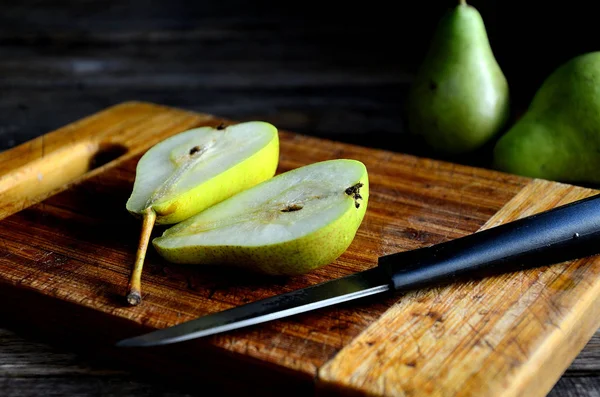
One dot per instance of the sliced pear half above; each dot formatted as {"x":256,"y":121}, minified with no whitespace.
{"x":291,"y":224}
{"x":193,"y":170}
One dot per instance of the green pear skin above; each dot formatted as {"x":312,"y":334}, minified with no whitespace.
{"x":460,"y":98}
{"x":291,"y":224}
{"x":192,"y":170}
{"x":558,"y":136}
{"x":234,"y":176}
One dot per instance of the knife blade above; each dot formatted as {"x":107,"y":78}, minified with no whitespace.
{"x":568,"y":232}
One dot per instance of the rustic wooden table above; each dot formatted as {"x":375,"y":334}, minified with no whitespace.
{"x":311,"y":70}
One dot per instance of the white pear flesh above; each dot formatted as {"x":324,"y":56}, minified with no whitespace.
{"x":291,"y":224}
{"x":193,"y":170}
{"x":190,"y":171}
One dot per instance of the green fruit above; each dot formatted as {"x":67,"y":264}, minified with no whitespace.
{"x":459,"y":99}
{"x":558,"y":137}
{"x":290,"y":224}
{"x":193,"y":170}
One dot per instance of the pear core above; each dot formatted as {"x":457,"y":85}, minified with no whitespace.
{"x":184,"y":161}
{"x":188,"y":172}
{"x":289,"y":224}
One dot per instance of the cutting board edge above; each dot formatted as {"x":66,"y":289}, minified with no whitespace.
{"x":567,"y":345}
{"x":50,"y":163}
{"x":158,"y":106}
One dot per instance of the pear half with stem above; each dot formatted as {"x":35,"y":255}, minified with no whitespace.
{"x":291,"y":224}
{"x":193,"y":170}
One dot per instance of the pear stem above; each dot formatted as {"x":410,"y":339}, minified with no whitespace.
{"x":134,"y":289}
{"x":462,"y":2}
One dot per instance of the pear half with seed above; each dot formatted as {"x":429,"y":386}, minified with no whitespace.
{"x":291,"y":224}
{"x":193,"y":170}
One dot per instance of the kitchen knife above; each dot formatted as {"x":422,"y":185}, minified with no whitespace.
{"x":567,"y":232}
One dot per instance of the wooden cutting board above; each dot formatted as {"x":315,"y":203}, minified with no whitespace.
{"x":67,"y":244}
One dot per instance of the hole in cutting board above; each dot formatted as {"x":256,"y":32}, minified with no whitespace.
{"x":106,"y":153}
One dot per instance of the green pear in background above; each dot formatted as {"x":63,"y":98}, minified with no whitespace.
{"x":558,"y":137}
{"x":459,"y":99}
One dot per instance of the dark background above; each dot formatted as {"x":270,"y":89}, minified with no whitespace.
{"x":332,"y":69}
{"x":338,"y":70}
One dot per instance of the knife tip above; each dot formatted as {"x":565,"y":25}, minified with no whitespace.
{"x":126,"y":343}
{"x":142,"y":342}
{"x":133,"y":342}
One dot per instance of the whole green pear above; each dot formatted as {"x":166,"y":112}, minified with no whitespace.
{"x":459,"y":99}
{"x":558,"y":137}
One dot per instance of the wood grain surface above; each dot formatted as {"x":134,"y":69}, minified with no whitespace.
{"x":68,"y":256}
{"x":510,"y":335}
{"x":311,"y":69}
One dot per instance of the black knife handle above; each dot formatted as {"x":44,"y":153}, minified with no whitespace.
{"x":567,"y":232}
